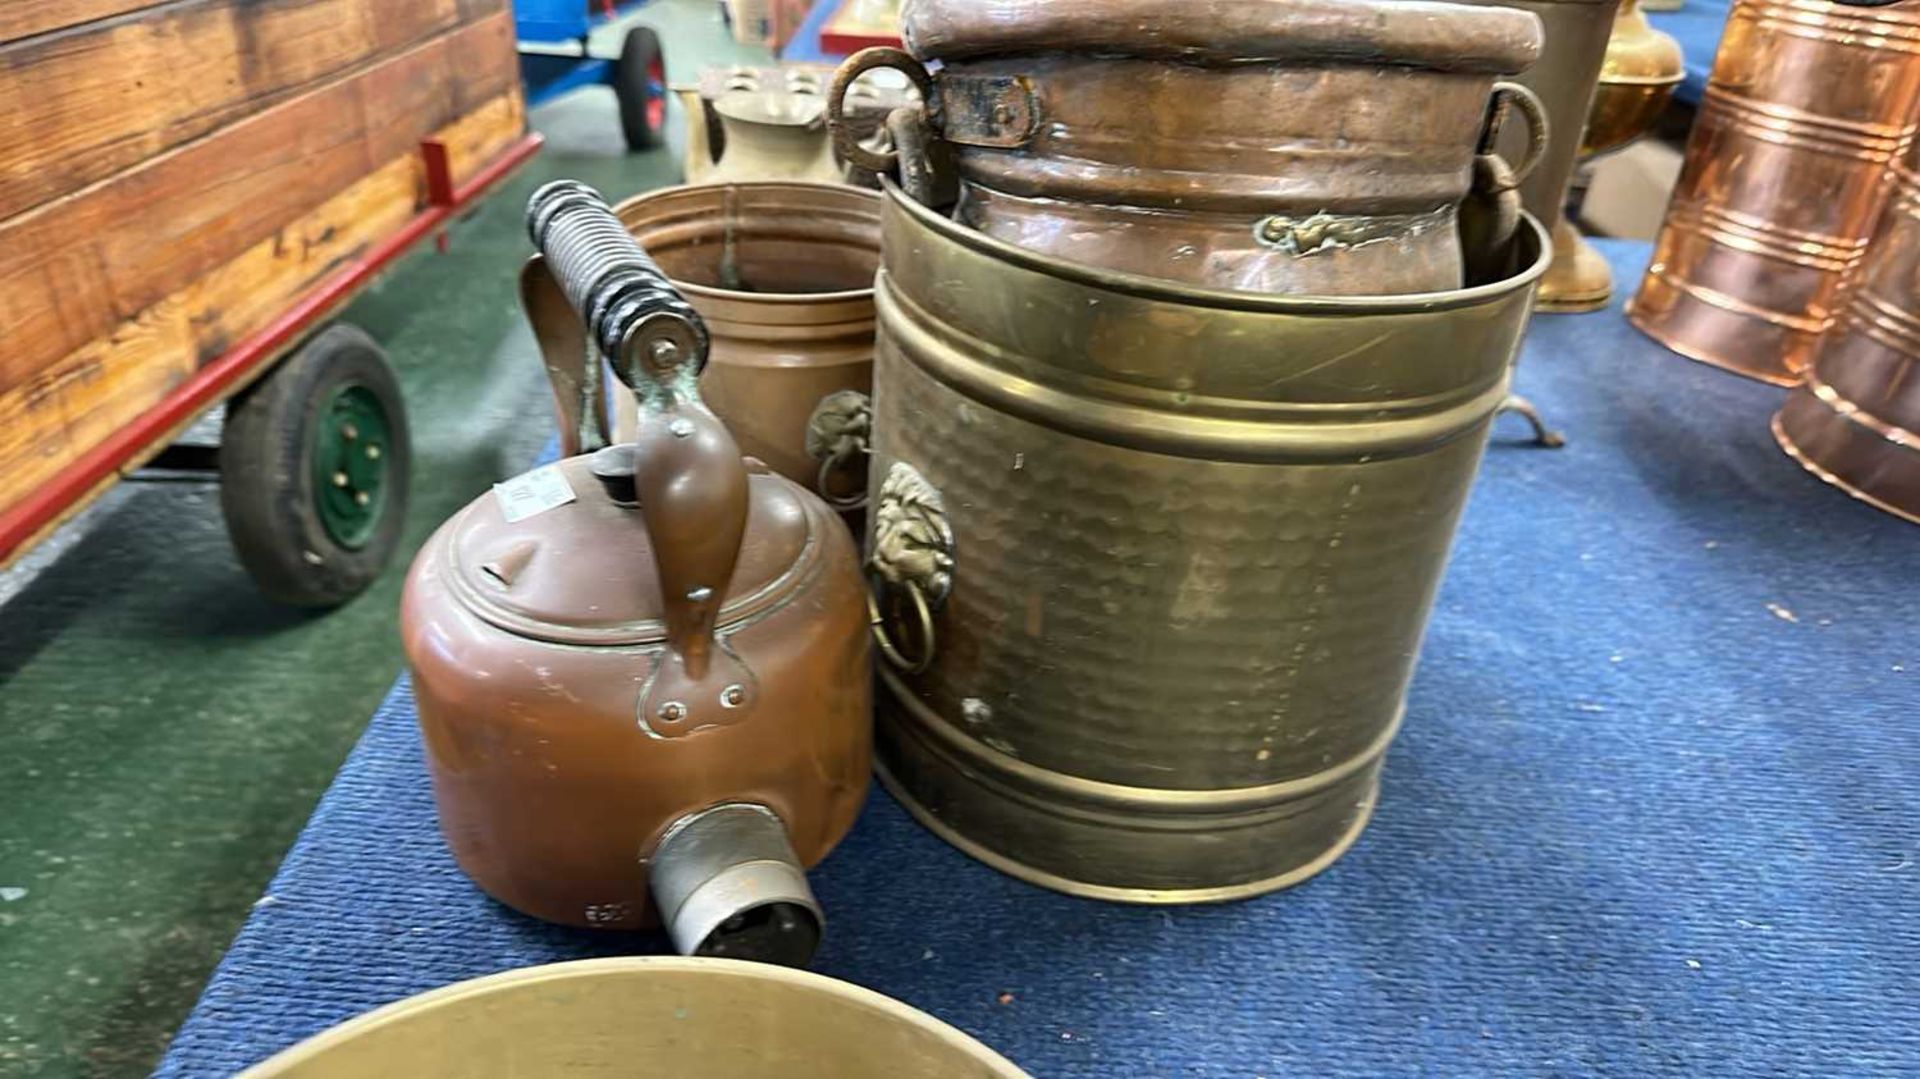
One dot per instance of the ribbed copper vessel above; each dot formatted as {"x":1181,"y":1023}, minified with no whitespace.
{"x":1786,"y":172}
{"x":1855,"y":421}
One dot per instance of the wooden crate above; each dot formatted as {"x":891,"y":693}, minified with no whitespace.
{"x":174,"y":175}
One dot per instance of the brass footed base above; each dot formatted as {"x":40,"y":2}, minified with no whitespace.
{"x":1578,"y":280}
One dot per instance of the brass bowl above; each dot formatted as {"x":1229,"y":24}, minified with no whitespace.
{"x":686,"y":1018}
{"x":1637,"y":79}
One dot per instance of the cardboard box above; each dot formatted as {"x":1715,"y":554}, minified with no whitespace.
{"x":767,"y":23}
{"x":1628,"y":196}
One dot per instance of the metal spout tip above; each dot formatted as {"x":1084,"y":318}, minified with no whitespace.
{"x":728,"y":884}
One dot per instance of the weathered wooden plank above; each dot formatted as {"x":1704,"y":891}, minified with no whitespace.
{"x":79,"y":106}
{"x":25,"y":18}
{"x":73,"y":269}
{"x":75,"y":403}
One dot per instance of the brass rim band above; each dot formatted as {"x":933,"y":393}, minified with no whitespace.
{"x":1057,"y":791}
{"x":1213,"y":438}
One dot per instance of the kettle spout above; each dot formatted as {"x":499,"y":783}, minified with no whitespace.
{"x":728,"y":884}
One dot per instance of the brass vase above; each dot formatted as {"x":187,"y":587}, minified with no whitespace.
{"x":1637,"y":78}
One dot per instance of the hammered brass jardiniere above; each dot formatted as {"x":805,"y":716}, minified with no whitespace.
{"x":1154,"y":561}
{"x":1312,"y":146}
{"x":642,"y":672}
{"x":1786,"y":171}
{"x":677,"y":1018}
{"x":782,"y":273}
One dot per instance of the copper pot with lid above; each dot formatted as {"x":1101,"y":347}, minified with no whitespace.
{"x":1312,"y":146}
{"x":642,"y":672}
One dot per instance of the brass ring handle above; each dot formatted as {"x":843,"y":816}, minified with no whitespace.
{"x":1535,"y":113}
{"x":844,"y":141}
{"x":838,"y":432}
{"x":922,"y":611}
{"x":828,"y":465}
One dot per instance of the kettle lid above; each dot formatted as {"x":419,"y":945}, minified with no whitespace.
{"x":582,"y":572}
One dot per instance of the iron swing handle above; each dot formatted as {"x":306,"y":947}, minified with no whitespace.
{"x":689,"y":478}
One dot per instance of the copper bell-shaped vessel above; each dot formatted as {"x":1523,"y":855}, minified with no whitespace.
{"x":642,"y":672}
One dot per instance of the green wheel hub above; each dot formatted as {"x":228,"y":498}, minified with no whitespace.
{"x":350,"y":444}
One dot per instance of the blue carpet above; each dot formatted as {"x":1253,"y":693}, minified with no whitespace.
{"x":1697,"y":26}
{"x":1654,"y":811}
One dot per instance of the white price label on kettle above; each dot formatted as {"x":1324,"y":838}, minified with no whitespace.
{"x":533,"y":493}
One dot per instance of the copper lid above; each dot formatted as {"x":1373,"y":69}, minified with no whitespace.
{"x":583,"y":572}
{"x":1439,"y":36}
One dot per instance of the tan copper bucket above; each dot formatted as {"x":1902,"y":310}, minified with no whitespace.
{"x":1154,"y":561}
{"x":1315,"y":147}
{"x":783,"y":275}
{"x":683,"y":1018}
{"x":1855,"y":422}
{"x":1786,"y":171}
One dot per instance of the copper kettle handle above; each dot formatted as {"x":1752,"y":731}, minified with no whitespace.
{"x":689,"y":478}
{"x":572,"y":367}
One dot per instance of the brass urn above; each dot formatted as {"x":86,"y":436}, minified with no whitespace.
{"x":1637,"y":79}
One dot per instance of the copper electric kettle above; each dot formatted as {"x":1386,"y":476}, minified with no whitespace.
{"x":642,"y":672}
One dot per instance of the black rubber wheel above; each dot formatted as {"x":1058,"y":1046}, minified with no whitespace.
{"x":640,"y":84}
{"x":314,"y":464}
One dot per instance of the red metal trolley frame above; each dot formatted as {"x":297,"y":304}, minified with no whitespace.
{"x":90,"y":475}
